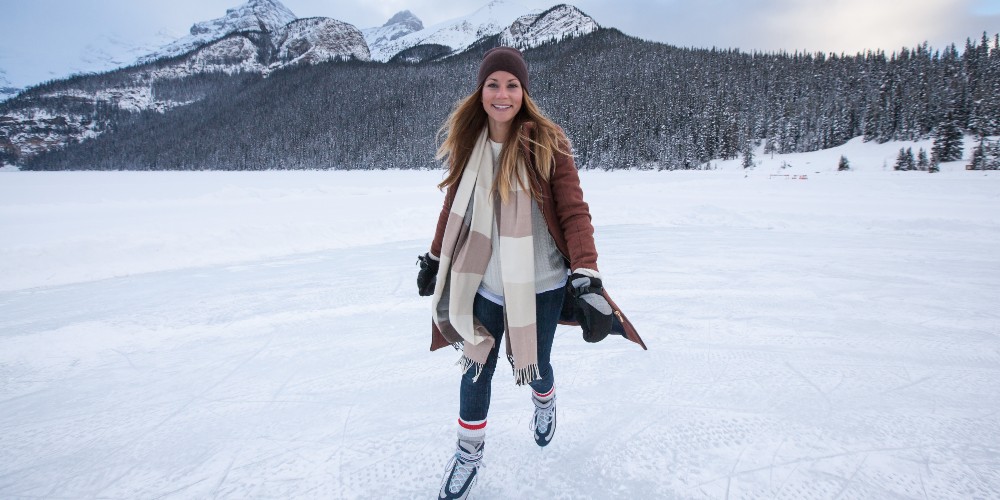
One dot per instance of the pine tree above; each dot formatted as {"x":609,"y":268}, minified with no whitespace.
{"x":947,"y":141}
{"x":770,"y":146}
{"x":991,"y":154}
{"x":900,"y":160}
{"x":978,"y":161}
{"x":748,"y":154}
{"x":922,"y":161}
{"x":844,"y":164}
{"x":910,"y":163}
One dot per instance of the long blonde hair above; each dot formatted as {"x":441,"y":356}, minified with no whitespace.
{"x":467,"y":120}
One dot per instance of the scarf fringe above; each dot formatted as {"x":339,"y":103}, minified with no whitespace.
{"x":527,"y":374}
{"x":522,"y":376}
{"x":465,"y":363}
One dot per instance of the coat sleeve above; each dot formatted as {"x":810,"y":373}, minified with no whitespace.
{"x":449,"y":197}
{"x":573,"y":213}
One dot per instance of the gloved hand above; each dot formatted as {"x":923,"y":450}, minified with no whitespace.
{"x":427,"y":276}
{"x":591,"y":309}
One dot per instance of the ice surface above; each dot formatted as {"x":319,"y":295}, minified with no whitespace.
{"x":258,"y":335}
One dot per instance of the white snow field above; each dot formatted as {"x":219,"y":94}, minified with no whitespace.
{"x":259,"y":335}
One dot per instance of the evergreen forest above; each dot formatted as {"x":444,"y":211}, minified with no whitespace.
{"x":624,"y":103}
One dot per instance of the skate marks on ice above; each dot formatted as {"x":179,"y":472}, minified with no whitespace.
{"x":787,"y":360}
{"x":832,"y":371}
{"x":296,"y":377}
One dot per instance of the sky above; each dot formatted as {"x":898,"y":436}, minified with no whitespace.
{"x":43,"y":39}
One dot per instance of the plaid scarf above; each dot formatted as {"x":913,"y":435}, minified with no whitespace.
{"x":465,"y":253}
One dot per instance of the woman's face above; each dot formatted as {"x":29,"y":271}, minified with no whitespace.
{"x":502,"y":97}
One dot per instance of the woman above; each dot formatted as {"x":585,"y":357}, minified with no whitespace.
{"x":513,"y":225}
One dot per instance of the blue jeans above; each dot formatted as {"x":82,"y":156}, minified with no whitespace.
{"x":475,"y":396}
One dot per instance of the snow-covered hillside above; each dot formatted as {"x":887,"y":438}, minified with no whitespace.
{"x":258,"y":335}
{"x":862,"y":156}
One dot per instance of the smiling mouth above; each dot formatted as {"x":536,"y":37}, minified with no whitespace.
{"x":502,"y":108}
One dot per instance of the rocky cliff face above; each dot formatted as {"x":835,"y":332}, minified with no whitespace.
{"x":26,"y":135}
{"x":255,"y":15}
{"x":558,"y":23}
{"x":319,"y":39}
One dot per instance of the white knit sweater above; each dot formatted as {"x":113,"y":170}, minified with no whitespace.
{"x":550,"y":268}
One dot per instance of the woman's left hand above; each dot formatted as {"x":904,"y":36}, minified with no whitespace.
{"x":591,"y":309}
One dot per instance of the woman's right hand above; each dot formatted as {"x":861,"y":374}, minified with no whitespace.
{"x":427,"y":276}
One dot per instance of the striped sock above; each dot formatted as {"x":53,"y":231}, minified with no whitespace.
{"x":544,"y":398}
{"x":471,"y":431}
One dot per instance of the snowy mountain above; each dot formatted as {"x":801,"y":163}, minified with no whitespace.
{"x":261,"y":36}
{"x":459,"y":33}
{"x":516,"y":25}
{"x":319,"y":39}
{"x":555,"y":24}
{"x":255,"y":15}
{"x":257,"y":37}
{"x":399,"y":25}
{"x":252,"y":38}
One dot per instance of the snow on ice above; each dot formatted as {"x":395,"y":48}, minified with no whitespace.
{"x":248,"y":335}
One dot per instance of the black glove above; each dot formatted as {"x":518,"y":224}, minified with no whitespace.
{"x":427,"y":276}
{"x":590,"y":307}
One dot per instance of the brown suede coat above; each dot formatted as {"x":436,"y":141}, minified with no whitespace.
{"x":568,"y":219}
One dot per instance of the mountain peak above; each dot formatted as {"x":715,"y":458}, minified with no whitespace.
{"x":399,"y":25}
{"x":559,"y":22}
{"x":253,"y":15}
{"x":405,"y":18}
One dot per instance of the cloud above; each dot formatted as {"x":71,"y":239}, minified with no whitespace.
{"x":855,"y":25}
{"x":846,"y":26}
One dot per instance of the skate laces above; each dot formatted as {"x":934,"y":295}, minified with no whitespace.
{"x":465,"y":465}
{"x":543,"y":416}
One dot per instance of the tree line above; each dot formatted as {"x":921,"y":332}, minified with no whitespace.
{"x":624,"y":102}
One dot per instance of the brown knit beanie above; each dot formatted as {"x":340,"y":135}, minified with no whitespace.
{"x":503,"y":59}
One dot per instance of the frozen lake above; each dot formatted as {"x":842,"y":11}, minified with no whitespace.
{"x":237,"y":335}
